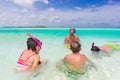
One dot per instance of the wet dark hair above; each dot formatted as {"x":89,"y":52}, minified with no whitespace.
{"x":75,"y":46}
{"x":95,"y":48}
{"x":31,"y":44}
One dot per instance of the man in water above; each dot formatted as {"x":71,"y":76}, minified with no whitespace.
{"x":74,"y":64}
{"x":76,"y":60}
{"x":72,"y":36}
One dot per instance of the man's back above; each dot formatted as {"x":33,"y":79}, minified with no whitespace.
{"x":76,"y":61}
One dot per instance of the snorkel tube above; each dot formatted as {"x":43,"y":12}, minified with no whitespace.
{"x":35,"y":40}
{"x":92,"y":45}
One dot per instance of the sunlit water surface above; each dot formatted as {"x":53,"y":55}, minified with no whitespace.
{"x":13,"y":42}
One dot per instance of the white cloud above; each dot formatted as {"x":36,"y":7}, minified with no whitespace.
{"x":51,"y":9}
{"x":24,"y":10}
{"x":45,"y":1}
{"x":78,"y":8}
{"x":54,"y":19}
{"x":110,"y":1}
{"x":24,"y":2}
{"x":105,"y":15}
{"x":27,"y":3}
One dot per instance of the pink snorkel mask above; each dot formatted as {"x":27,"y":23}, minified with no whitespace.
{"x":36,"y":41}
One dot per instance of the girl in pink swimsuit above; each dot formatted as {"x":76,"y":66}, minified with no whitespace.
{"x":29,"y":60}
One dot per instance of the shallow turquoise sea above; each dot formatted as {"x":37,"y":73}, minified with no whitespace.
{"x":13,"y":42}
{"x":102,"y":32}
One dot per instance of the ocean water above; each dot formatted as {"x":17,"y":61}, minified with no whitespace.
{"x":13,"y":42}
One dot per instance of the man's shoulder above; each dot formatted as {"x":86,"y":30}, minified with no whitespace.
{"x":68,"y":55}
{"x":83,"y":55}
{"x":76,"y":35}
{"x":67,"y":36}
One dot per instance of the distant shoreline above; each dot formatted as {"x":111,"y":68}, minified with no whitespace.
{"x":57,"y":27}
{"x":24,"y":27}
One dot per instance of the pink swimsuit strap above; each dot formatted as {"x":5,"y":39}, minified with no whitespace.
{"x":23,"y":62}
{"x":29,"y":57}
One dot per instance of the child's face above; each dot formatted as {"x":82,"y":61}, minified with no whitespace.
{"x":37,"y":49}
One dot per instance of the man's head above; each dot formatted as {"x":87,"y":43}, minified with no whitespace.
{"x":72,"y":30}
{"x":75,"y":46}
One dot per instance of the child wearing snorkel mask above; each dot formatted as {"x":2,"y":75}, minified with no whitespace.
{"x":29,"y":59}
{"x":104,"y":50}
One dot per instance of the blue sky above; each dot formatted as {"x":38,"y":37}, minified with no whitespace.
{"x":60,"y":13}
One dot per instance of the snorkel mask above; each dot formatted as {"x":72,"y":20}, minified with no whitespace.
{"x":73,"y":32}
{"x":39,"y":43}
